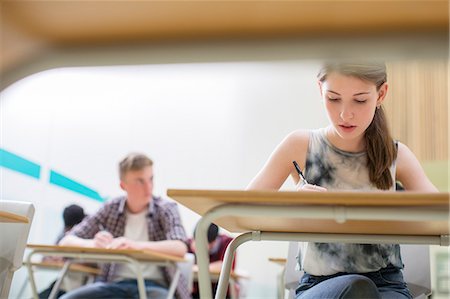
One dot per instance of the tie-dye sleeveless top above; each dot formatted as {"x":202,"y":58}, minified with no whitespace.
{"x":338,"y":170}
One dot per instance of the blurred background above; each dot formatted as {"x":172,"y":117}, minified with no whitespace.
{"x":207,"y":90}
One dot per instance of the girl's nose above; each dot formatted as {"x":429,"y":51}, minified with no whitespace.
{"x":346,"y":114}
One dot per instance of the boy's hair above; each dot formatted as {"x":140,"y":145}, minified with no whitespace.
{"x":73,"y":215}
{"x":133,"y":162}
{"x":213,"y":232}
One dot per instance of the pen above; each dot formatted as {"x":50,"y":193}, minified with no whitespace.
{"x":300,"y":173}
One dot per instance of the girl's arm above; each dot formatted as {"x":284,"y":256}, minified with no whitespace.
{"x":410,"y":172}
{"x":279,"y":166}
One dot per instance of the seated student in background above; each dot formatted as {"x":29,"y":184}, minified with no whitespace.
{"x":137,"y":220}
{"x":72,"y":215}
{"x":217,"y":244}
{"x":355,"y":152}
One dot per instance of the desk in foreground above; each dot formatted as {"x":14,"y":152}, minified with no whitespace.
{"x":74,"y":253}
{"x":351,"y":217}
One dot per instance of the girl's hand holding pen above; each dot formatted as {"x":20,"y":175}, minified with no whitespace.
{"x":303,"y":184}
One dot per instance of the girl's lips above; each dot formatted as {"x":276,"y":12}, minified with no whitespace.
{"x":347,"y":128}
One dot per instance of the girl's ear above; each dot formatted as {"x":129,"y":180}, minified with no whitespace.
{"x":382,"y":91}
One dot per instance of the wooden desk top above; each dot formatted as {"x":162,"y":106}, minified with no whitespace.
{"x":73,"y":267}
{"x":142,"y":255}
{"x":7,"y":217}
{"x":278,"y":260}
{"x":202,"y":201}
{"x":216,"y":273}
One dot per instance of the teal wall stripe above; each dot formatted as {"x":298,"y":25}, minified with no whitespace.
{"x":64,"y":182}
{"x":26,"y":167}
{"x":19,"y":164}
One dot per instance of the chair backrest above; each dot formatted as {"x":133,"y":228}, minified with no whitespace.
{"x":292,"y":274}
{"x":13,"y":238}
{"x":416,"y":259}
{"x":186,"y":269}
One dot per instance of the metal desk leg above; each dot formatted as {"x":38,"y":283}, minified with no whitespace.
{"x":173,"y":284}
{"x":228,"y":261}
{"x":139,"y":278}
{"x":201,"y":244}
{"x":59,"y":280}
{"x":86,"y":257}
{"x":31,"y":276}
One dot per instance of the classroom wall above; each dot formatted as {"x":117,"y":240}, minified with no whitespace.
{"x":206,"y":125}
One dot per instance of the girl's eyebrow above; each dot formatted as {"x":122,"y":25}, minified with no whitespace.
{"x":356,"y":94}
{"x":360,"y":93}
{"x":334,"y":92}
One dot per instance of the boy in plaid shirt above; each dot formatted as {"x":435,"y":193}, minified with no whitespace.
{"x":138,"y":220}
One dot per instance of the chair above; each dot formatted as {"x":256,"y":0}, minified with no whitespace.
{"x":292,"y":274}
{"x":13,"y":242}
{"x":416,"y":259}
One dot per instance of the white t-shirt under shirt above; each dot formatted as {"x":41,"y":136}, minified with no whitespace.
{"x":136,"y":229}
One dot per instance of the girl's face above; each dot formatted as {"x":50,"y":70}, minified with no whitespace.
{"x":350,"y":103}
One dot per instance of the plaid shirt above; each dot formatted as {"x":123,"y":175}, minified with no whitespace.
{"x":163,"y":222}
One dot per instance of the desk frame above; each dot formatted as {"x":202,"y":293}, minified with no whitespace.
{"x":95,"y":257}
{"x":8,"y":217}
{"x":232,"y":282}
{"x":338,"y":213}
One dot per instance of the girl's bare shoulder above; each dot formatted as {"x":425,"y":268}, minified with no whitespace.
{"x":297,"y":138}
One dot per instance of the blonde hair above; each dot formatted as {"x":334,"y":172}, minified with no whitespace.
{"x":133,"y":162}
{"x":380,"y":147}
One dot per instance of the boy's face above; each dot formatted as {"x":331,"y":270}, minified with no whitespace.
{"x":139,"y":187}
